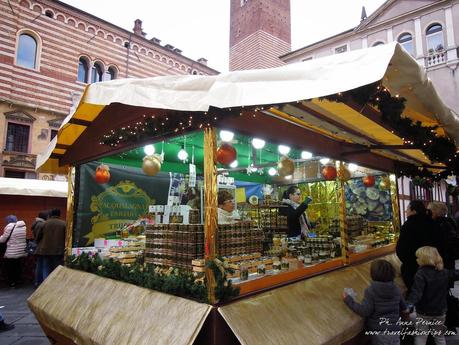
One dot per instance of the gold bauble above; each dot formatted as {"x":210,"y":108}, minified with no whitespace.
{"x":285,"y":167}
{"x":151,"y":165}
{"x":385,"y":183}
{"x":344,"y":175}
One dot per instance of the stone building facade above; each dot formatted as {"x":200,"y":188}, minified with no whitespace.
{"x":427,"y":29}
{"x":259,"y":33}
{"x":49,"y":51}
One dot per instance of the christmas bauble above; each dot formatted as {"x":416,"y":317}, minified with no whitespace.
{"x":385,"y":183}
{"x":344,"y":175}
{"x":102,"y":174}
{"x":329,"y":172}
{"x":369,"y":181}
{"x":226,"y":154}
{"x":285,"y":167}
{"x":151,"y":165}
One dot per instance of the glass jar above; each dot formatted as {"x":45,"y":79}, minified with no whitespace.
{"x":276,"y":265}
{"x":261,"y":270}
{"x":244,"y":272}
{"x":285,"y":264}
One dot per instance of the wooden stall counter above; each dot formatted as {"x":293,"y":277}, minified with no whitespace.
{"x":371,"y":253}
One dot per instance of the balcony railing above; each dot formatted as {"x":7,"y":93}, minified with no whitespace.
{"x":20,"y":160}
{"x":435,"y":58}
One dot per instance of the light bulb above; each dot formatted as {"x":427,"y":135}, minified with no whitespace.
{"x":283,"y":149}
{"x":252,"y":168}
{"x":149,"y":150}
{"x":272,"y":171}
{"x":324,"y":161}
{"x":182,"y":155}
{"x":288,"y":177}
{"x":258,"y":143}
{"x":352,"y":167}
{"x":306,"y":155}
{"x":226,"y":135}
{"x":234,"y":164}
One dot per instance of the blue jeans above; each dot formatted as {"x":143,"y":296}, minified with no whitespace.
{"x":50,"y":262}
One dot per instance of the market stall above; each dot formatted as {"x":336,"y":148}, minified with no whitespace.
{"x":191,"y":175}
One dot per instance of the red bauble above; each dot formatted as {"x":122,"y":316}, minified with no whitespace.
{"x":226,"y":154}
{"x":329,"y":172}
{"x":102,"y":174}
{"x":369,"y":181}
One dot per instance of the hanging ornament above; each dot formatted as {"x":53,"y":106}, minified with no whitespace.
{"x":151,"y":164}
{"x":369,"y":181}
{"x":102,"y":174}
{"x":329,"y":172}
{"x":385,"y":183}
{"x":344,"y":174}
{"x":285,"y":167}
{"x":226,"y":154}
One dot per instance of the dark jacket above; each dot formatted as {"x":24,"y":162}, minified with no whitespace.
{"x":448,"y":241}
{"x":293,"y":218}
{"x":51,"y":237}
{"x":416,"y":232}
{"x":430,"y":289}
{"x":38,"y":223}
{"x":381,"y":300}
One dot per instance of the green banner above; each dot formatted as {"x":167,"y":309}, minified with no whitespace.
{"x":102,"y":209}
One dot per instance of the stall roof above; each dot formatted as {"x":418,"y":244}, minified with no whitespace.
{"x":295,"y":89}
{"x":33,"y":187}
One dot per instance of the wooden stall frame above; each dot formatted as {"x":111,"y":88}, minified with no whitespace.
{"x":70,"y":211}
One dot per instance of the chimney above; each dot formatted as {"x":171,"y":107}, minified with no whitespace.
{"x":363,"y":16}
{"x":202,"y":61}
{"x":138,"y":28}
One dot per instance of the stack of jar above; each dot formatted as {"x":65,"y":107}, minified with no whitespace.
{"x":239,"y":238}
{"x":174,"y":245}
{"x":315,"y":250}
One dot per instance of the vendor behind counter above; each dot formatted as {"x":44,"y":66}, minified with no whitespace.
{"x":297,"y":219}
{"x":227,"y":213}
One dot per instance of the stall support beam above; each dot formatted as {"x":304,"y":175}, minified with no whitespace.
{"x":395,"y":202}
{"x":342,"y":218}
{"x":69,"y":212}
{"x":210,"y":205}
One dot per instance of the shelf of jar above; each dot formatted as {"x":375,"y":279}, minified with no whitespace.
{"x":371,"y":253}
{"x":272,"y":278}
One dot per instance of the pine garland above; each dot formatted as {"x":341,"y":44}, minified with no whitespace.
{"x":439,"y":149}
{"x":169,"y":280}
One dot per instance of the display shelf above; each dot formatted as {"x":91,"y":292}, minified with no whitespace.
{"x":371,"y":253}
{"x":269,"y":281}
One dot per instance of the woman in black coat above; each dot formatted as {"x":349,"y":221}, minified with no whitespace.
{"x":297,"y":220}
{"x":417,"y":231}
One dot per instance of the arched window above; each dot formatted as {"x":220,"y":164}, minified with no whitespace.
{"x":83,"y":70}
{"x":27,"y":51}
{"x":434,"y":38}
{"x":110,"y":74}
{"x":97,"y":73}
{"x":379,"y":43}
{"x":406,"y":41}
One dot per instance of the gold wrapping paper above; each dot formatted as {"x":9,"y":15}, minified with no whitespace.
{"x":210,"y":205}
{"x":69,"y":212}
{"x":92,"y":310}
{"x":308,"y":312}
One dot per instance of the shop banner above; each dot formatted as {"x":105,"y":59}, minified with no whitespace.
{"x":104,"y":209}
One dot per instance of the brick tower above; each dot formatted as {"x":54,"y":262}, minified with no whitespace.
{"x":259,"y":33}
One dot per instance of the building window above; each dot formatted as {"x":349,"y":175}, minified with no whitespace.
{"x":341,"y":49}
{"x":17,"y":138}
{"x":379,"y":43}
{"x":110,"y":74}
{"x":15,"y":174}
{"x":243,"y":2}
{"x":97,"y":73}
{"x":27,"y":51}
{"x":434,"y":38}
{"x":83,"y":70}
{"x":53,"y":134}
{"x":406,"y":41}
{"x":307,"y":59}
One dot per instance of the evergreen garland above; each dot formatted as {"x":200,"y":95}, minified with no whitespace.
{"x":439,"y":149}
{"x":168,"y":280}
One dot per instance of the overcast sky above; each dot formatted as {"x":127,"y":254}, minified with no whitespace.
{"x":201,"y":27}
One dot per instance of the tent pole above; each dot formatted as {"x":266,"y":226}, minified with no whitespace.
{"x":342,"y":218}
{"x":395,"y":203}
{"x":210,"y":206}
{"x":69,"y":213}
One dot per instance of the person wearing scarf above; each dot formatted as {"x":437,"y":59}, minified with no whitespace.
{"x":297,"y":219}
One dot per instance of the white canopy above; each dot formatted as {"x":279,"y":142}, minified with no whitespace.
{"x":17,"y":186}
